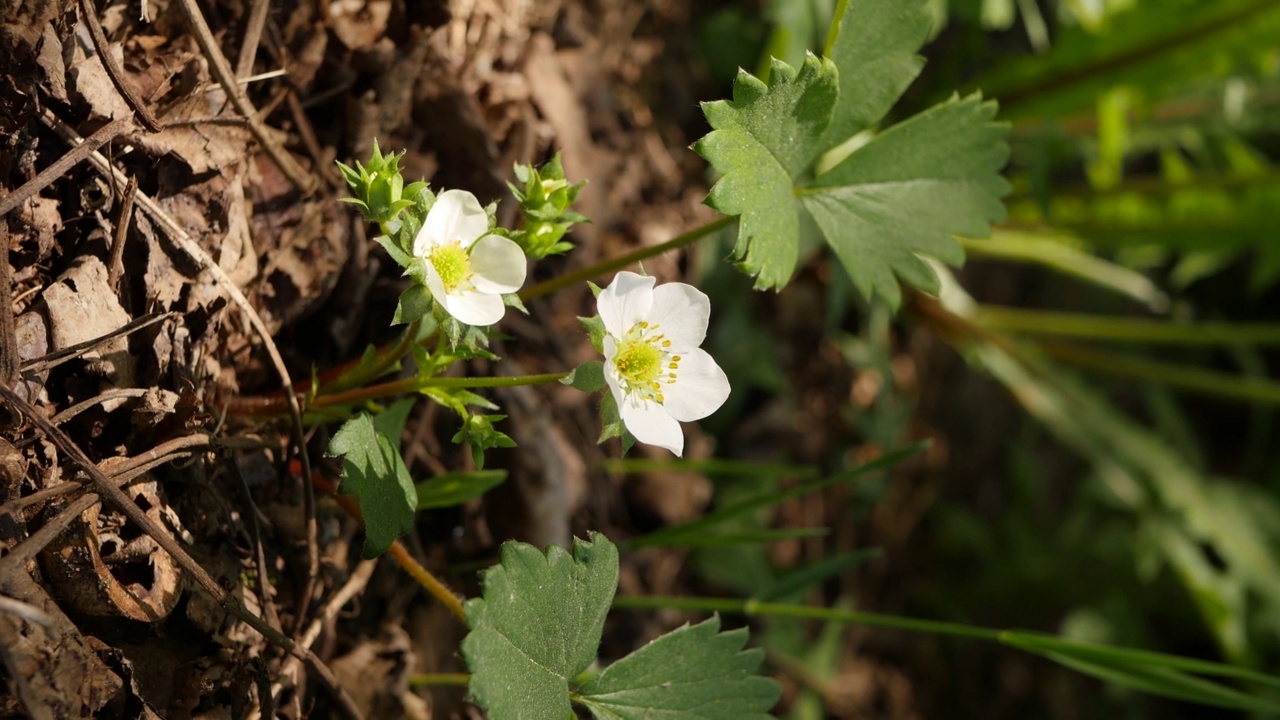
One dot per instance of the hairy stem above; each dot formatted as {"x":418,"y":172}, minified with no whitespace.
{"x":600,"y":268}
{"x":397,"y":552}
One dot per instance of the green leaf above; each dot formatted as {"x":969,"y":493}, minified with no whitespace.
{"x":763,"y":141}
{"x":692,"y":673}
{"x":905,"y":193}
{"x":587,"y":377}
{"x":889,"y":198}
{"x":456,"y":488}
{"x":877,"y":60}
{"x":538,"y":626}
{"x":374,"y":472}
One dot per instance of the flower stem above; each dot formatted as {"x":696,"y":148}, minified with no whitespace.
{"x":1055,"y":251}
{"x":383,"y":360}
{"x":438,"y":679}
{"x":429,"y":582}
{"x":413,"y":384}
{"x":754,"y":608}
{"x":491,"y":382}
{"x":1127,"y":329}
{"x":600,"y":268}
{"x":1192,"y":379}
{"x":397,"y":552}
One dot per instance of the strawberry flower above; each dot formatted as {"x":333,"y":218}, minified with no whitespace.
{"x":652,"y":363}
{"x":467,"y":269}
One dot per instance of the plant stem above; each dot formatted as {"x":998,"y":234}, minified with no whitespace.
{"x":413,"y":384}
{"x":437,"y":589}
{"x":492,"y":382}
{"x":600,"y":268}
{"x":1054,"y":251}
{"x":383,"y":360}
{"x":397,"y":552}
{"x":753,"y":608}
{"x":1126,"y":329}
{"x":437,"y":679}
{"x":1208,"y":382}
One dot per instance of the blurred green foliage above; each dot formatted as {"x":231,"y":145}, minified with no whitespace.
{"x":1135,"y":498}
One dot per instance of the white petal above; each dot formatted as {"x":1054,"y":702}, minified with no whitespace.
{"x":625,"y":302}
{"x":457,"y":215}
{"x":435,"y":284}
{"x":610,"y":348}
{"x":423,"y":242}
{"x":474,"y":308}
{"x":651,"y":424}
{"x":680,"y":312}
{"x":498,"y":264}
{"x":700,"y":387}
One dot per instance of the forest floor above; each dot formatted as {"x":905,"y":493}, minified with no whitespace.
{"x":152,"y":262}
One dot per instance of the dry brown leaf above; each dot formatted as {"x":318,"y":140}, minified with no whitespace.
{"x":51,"y":65}
{"x":55,"y":670}
{"x":94,"y":86}
{"x":104,"y":567}
{"x":82,"y":306}
{"x":42,"y":216}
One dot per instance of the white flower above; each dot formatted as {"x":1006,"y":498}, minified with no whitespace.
{"x":652,"y":362}
{"x":467,"y":270}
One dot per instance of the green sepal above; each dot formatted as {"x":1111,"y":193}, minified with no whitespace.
{"x":611,"y":424}
{"x":478,"y":431}
{"x":595,"y":330}
{"x":415,"y":303}
{"x":587,"y":377}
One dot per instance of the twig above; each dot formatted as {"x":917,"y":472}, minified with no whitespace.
{"x":196,"y":253}
{"x":116,"y":266}
{"x":26,"y":611}
{"x":122,"y":502}
{"x":354,"y":584}
{"x":222,"y":71}
{"x":27,"y":550}
{"x":255,"y":535}
{"x":121,"y":472}
{"x":111,"y":394}
{"x":252,"y":36}
{"x":54,"y":359}
{"x":81,"y":149}
{"x":9,"y":360}
{"x":306,"y":131}
{"x":90,"y":15}
{"x":357,"y":582}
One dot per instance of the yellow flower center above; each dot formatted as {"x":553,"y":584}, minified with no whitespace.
{"x":643,"y":362}
{"x":452,"y":264}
